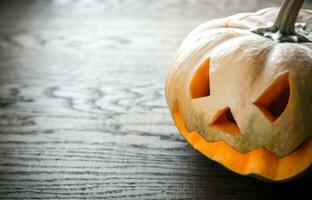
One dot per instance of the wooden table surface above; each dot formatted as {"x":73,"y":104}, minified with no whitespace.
{"x":82,"y":107}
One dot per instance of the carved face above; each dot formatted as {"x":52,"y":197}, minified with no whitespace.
{"x":231,"y":85}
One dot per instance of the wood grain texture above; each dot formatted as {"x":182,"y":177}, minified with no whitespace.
{"x":82,"y":107}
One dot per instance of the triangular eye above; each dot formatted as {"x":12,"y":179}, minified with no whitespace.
{"x":224,"y":121}
{"x":274,"y":99}
{"x":200,"y":86}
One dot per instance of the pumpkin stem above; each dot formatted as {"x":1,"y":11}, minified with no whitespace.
{"x":285,"y":28}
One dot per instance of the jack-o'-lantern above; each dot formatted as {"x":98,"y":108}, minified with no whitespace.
{"x":241,"y":93}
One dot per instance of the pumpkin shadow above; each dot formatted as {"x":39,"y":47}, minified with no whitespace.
{"x":213,"y":181}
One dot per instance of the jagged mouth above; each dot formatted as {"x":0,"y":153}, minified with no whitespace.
{"x":259,"y":162}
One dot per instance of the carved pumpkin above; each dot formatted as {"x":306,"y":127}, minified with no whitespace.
{"x":242,"y":95}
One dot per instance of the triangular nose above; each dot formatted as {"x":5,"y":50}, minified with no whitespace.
{"x":224,"y":121}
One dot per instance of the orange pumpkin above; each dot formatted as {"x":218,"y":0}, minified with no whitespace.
{"x":242,"y":95}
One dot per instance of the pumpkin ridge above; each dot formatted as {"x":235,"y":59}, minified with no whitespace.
{"x":232,"y":34}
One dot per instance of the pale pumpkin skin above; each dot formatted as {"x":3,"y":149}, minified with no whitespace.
{"x":242,"y":66}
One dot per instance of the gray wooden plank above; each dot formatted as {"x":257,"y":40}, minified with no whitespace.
{"x":82,"y":108}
